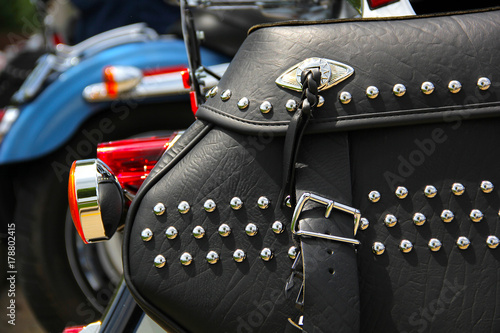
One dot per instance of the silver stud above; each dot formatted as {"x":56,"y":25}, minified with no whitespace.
{"x":374,"y":196}
{"x":364,"y":223}
{"x":486,"y":186}
{"x":278,"y":227}
{"x":399,"y":89}
{"x":171,"y":232}
{"x":427,"y":88}
{"x":476,"y":215}
{"x":224,"y":230}
{"x":430,"y":191}
{"x":292,"y":252}
{"x":401,"y":192}
{"x":483,"y":83}
{"x":390,"y":220}
{"x":463,"y":242}
{"x":186,"y":259}
{"x":457,"y":189}
{"x":239,"y":255}
{"x":447,"y":216}
{"x":266,"y":107}
{"x":251,"y":229}
{"x":212,"y":257}
{"x":419,"y":219}
{"x":372,"y":92}
{"x":345,"y":97}
{"x":209,"y":205}
{"x":214,"y":91}
{"x":378,"y":248}
{"x":321,"y":101}
{"x":266,"y":254}
{"x":454,"y":86}
{"x":159,"y":261}
{"x":198,"y":232}
{"x":288,"y":201}
{"x":243,"y":103}
{"x":207,"y":94}
{"x":291,"y":105}
{"x":405,"y":246}
{"x":236,"y":203}
{"x":183,"y":207}
{"x":146,"y":235}
{"x":263,"y":202}
{"x":434,"y":244}
{"x":159,"y":208}
{"x":225,"y":95}
{"x":492,"y":242}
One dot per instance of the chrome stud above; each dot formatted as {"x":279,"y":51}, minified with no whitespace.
{"x":427,"y":88}
{"x":236,"y":203}
{"x":288,"y":201}
{"x":390,"y":220}
{"x":378,"y":248}
{"x":292,"y":252}
{"x":447,"y":216}
{"x":430,"y":191}
{"x":476,"y":215}
{"x":457,"y":189}
{"x":224,"y":230}
{"x":345,"y":97}
{"x":364,"y":223}
{"x":492,"y":242}
{"x":266,"y":107}
{"x":374,"y":196}
{"x":419,"y":219}
{"x":463,"y":242}
{"x":483,"y":83}
{"x":291,"y":105}
{"x":207,"y":94}
{"x":146,"y":235}
{"x":401,"y":192}
{"x":214,"y":91}
{"x":243,"y":103}
{"x":186,"y":259}
{"x":321,"y":101}
{"x":454,"y":86}
{"x":212,"y":257}
{"x":239,"y":255}
{"x":159,"y":261}
{"x":198,"y":232}
{"x":171,"y":233}
{"x":209,"y":205}
{"x":183,"y":207}
{"x":225,"y":95}
{"x":263,"y":202}
{"x":266,"y":254}
{"x":405,"y":246}
{"x":278,"y":227}
{"x":159,"y":209}
{"x":434,"y":244}
{"x":372,"y":92}
{"x":399,"y":90}
{"x":486,"y":186}
{"x":251,"y":229}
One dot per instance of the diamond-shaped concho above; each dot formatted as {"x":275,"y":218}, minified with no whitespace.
{"x":332,"y":72}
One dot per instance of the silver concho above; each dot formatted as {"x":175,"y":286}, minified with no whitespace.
{"x":332,"y":72}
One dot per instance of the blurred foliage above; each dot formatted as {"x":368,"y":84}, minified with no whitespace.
{"x":18,"y":16}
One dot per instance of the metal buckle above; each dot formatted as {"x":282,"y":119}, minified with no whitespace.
{"x":330,"y":204}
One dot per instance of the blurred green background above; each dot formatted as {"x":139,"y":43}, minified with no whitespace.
{"x":15,"y":14}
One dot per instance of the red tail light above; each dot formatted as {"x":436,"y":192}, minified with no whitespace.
{"x":73,"y":202}
{"x":374,"y":4}
{"x":73,"y":329}
{"x":132,"y":160}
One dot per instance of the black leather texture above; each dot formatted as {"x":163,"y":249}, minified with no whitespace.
{"x":348,"y":151}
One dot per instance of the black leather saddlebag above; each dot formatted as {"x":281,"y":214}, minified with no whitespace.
{"x":251,"y":222}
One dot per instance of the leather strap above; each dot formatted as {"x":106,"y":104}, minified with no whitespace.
{"x":331,"y":290}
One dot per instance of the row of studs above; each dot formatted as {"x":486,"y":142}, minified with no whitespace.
{"x":224,"y":231}
{"x":435,"y":244}
{"x":210,"y":205}
{"x":213,"y":257}
{"x":454,"y":86}
{"x":430,"y":191}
